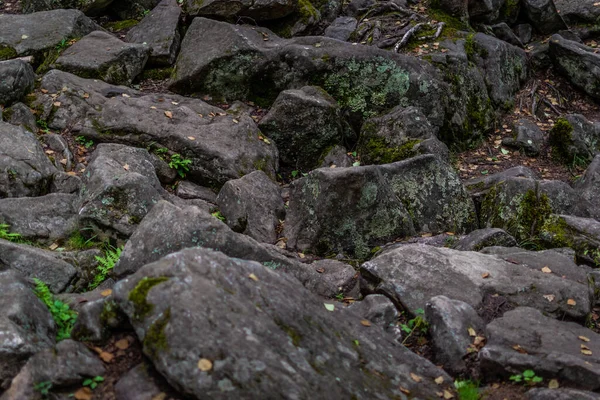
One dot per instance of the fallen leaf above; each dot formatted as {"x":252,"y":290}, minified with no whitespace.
{"x":84,"y":393}
{"x":586,"y":352}
{"x":301,"y":255}
{"x":86,"y":95}
{"x":235,"y":121}
{"x":63,"y":161}
{"x":267,"y":141}
{"x":174,"y":103}
{"x":365,"y":322}
{"x":168,"y":114}
{"x":191,"y":138}
{"x":519,"y":349}
{"x":553,"y":384}
{"x":546,"y":270}
{"x":126,"y":167}
{"x":125,"y":95}
{"x":571,"y":302}
{"x":106,"y":292}
{"x":439,"y":380}
{"x":253,"y":277}
{"x":153,"y":107}
{"x":320,"y":270}
{"x":205,"y":365}
{"x":485,"y":275}
{"x":472,"y":332}
{"x":53,"y":246}
{"x":44,"y":91}
{"x":585,"y":339}
{"x":479,"y":340}
{"x":416,"y":377}
{"x":448,"y":395}
{"x":329,"y":307}
{"x":549,"y":297}
{"x":404,"y":390}
{"x":122,"y":344}
{"x":160,"y":396}
{"x":24,"y":36}
{"x":106,"y":356}
{"x":56,"y":104}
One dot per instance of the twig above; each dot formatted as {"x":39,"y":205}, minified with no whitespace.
{"x":407,"y":36}
{"x":440,"y":27}
{"x":549,"y":104}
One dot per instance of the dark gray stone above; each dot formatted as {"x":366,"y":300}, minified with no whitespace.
{"x":503,"y":32}
{"x":263,"y":335}
{"x":484,"y":10}
{"x":341,"y":28}
{"x":63,"y":158}
{"x":16,"y":81}
{"x":578,"y":11}
{"x":336,"y":157}
{"x":333,"y":277}
{"x":20,"y":114}
{"x":589,"y":184}
{"x":378,"y":309}
{"x":560,"y":394}
{"x":528,"y":137}
{"x":543,"y":16}
{"x":65,"y":183}
{"x":142,"y":382}
{"x":252,"y":205}
{"x":130,"y":9}
{"x":479,"y":187}
{"x":580,"y":234}
{"x":582,"y":142}
{"x":540,"y":56}
{"x":89,"y":7}
{"x":523,"y":32}
{"x":189,"y":190}
{"x":262,"y":10}
{"x":480,"y":238}
{"x":456,"y":8}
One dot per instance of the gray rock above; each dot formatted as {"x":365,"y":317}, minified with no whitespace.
{"x":89,"y":7}
{"x":252,"y":205}
{"x":65,"y":183}
{"x":503,"y":32}
{"x":199,"y":132}
{"x":550,"y":347}
{"x":20,"y":114}
{"x":96,"y":318}
{"x":456,"y":8}
{"x":341,"y":28}
{"x":67,"y":364}
{"x":480,"y":238}
{"x":189,"y":190}
{"x":334,"y":277}
{"x":479,"y":187}
{"x":34,"y":34}
{"x":355,"y":209}
{"x":304,"y":124}
{"x":378,"y":309}
{"x":142,"y":382}
{"x":577,"y":62}
{"x":336,"y":157}
{"x":580,"y":234}
{"x":102,"y":56}
{"x":24,"y":168}
{"x":484,"y":10}
{"x":527,"y":137}
{"x":16,"y":82}
{"x":578,"y":11}
{"x":540,"y":56}
{"x":589,"y":184}
{"x":560,"y":394}
{"x":26,"y":325}
{"x":449,"y":321}
{"x":63,"y":158}
{"x":581,"y":140}
{"x":523,"y":32}
{"x":410,"y":274}
{"x":160,"y":31}
{"x":543,"y":16}
{"x":262,"y":10}
{"x":400,"y":134}
{"x":130,"y":9}
{"x":298,"y":348}
{"x":46,"y":219}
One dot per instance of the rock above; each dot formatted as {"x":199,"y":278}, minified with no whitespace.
{"x":24,"y":168}
{"x":65,"y":183}
{"x":456,"y":8}
{"x":451,"y":322}
{"x":17,"y":81}
{"x":96,"y":318}
{"x":304,"y":123}
{"x":543,"y":16}
{"x":578,"y":11}
{"x":63,"y":158}
{"x":589,"y":184}
{"x":334,"y":277}
{"x":341,"y":28}
{"x":46,"y":219}
{"x":580,"y":234}
{"x":121,"y":115}
{"x":480,"y":238}
{"x":410,"y":274}
{"x":298,"y":347}
{"x":252,"y":205}
{"x":577,"y":62}
{"x":131,"y":9}
{"x":352,"y":210}
{"x":550,"y":347}
{"x":402,"y":133}
{"x":540,"y":56}
{"x":236,"y":63}
{"x":484,"y":10}
{"x":66,"y":365}
{"x":43,"y":31}
{"x":560,"y":394}
{"x":503,"y":32}
{"x":377,"y":309}
{"x":527,"y":137}
{"x":26,"y":325}
{"x":102,"y":56}
{"x":262,"y":10}
{"x":336,"y":157}
{"x":479,"y":187}
{"x":575,"y":139}
{"x":160,"y":31}
{"x":20,"y":114}
{"x":523,"y":32}
{"x":189,"y":190}
{"x":120,"y":188}
{"x":142,"y":382}
{"x":504,"y":68}
{"x":89,"y":7}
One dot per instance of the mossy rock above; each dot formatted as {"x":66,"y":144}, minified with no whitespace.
{"x":7,"y":52}
{"x":561,"y":139}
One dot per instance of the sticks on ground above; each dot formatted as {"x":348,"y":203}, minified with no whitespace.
{"x":407,"y":36}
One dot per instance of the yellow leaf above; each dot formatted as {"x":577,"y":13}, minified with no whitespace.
{"x":485,"y":275}
{"x":365,"y":322}
{"x":553,"y":384}
{"x":106,"y":292}
{"x":253,"y":277}
{"x":191,"y":138}
{"x":84,"y":393}
{"x":404,"y":390}
{"x":571,"y":302}
{"x":586,"y":352}
{"x":301,"y":255}
{"x":205,"y":365}
{"x":168,"y":114}
{"x":416,"y":377}
{"x":472,"y":332}
{"x":266,"y":141}
{"x":585,"y":339}
{"x":106,"y":357}
{"x":56,"y":104}
{"x":122,"y":344}
{"x":53,"y":246}
{"x":126,"y":167}
{"x":86,"y":95}
{"x":448,"y":395}
{"x":439,"y":380}
{"x":583,"y":346}
{"x":546,"y":270}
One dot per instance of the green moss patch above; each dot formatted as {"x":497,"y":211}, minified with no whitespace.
{"x":7,"y":52}
{"x":138,"y":296}
{"x":378,"y":151}
{"x":561,"y":138}
{"x":121,"y":25}
{"x":156,"y":339}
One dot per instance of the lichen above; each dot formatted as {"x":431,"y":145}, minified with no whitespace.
{"x":138,"y":296}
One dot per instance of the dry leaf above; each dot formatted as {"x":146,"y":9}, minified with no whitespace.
{"x":404,"y":390}
{"x":479,"y":340}
{"x":485,"y":275}
{"x":84,"y":393}
{"x":301,"y":255}
{"x":44,"y":91}
{"x":416,"y":377}
{"x":472,"y":332}
{"x":320,"y":270}
{"x":571,"y":302}
{"x":86,"y":95}
{"x":168,"y":114}
{"x":63,"y":161}
{"x":586,"y":352}
{"x":160,"y":396}
{"x":191,"y":138}
{"x":106,"y":357}
{"x":365,"y":322}
{"x":448,"y":395}
{"x":125,"y":95}
{"x":235,"y":121}
{"x":583,"y":346}
{"x":439,"y":380}
{"x":126,"y":167}
{"x":152,"y":107}
{"x":553,"y":384}
{"x":205,"y":365}
{"x":585,"y":339}
{"x":253,"y":277}
{"x":174,"y":103}
{"x":519,"y":349}
{"x":122,"y":344}
{"x":549,"y":297}
{"x":53,"y":246}
{"x":106,"y":292}
{"x":56,"y":104}
{"x":546,"y":270}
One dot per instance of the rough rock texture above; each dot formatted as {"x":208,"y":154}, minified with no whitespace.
{"x":578,"y":11}
{"x":411,"y":274}
{"x":354,"y":209}
{"x":551,"y":348}
{"x":200,"y":305}
{"x":24,"y":168}
{"x":528,"y":137}
{"x":252,"y":205}
{"x":189,"y":190}
{"x":580,"y":234}
{"x":589,"y":184}
{"x":26,"y":325}
{"x":479,"y":187}
{"x":341,"y":28}
{"x":195,"y":130}
{"x":304,"y":123}
{"x":142,"y":382}
{"x":543,"y":16}
{"x":67,"y":364}
{"x":43,"y":30}
{"x":17,"y":81}
{"x":262,"y":10}
{"x":128,"y":9}
{"x":560,"y":394}
{"x":160,"y":31}
{"x":89,"y":7}
{"x":337,"y":156}
{"x":102,"y":56}
{"x":377,"y":309}
{"x":484,"y":10}
{"x":20,"y":114}
{"x":480,"y":238}
{"x":46,"y":218}
{"x":574,"y":138}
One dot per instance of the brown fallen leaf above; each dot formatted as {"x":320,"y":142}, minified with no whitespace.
{"x":585,"y":339}
{"x":416,"y":377}
{"x":168,"y":114}
{"x":583,"y":346}
{"x":56,"y":104}
{"x":126,"y":167}
{"x":571,"y":302}
{"x":160,"y":396}
{"x":84,"y":393}
{"x":106,"y":356}
{"x":365,"y":322}
{"x":320,"y":270}
{"x":519,"y":349}
{"x":448,"y":395}
{"x":439,"y":380}
{"x":586,"y":352}
{"x":106,"y":293}
{"x":53,"y":246}
{"x":253,"y":277}
{"x":44,"y":91}
{"x":86,"y":95}
{"x":546,"y":270}
{"x":122,"y":344}
{"x":553,"y":384}
{"x":205,"y":365}
{"x":404,"y":390}
{"x":472,"y":332}
{"x":549,"y":297}
{"x":485,"y":275}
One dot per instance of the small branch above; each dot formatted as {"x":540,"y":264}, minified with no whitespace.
{"x":440,"y":27}
{"x":407,"y":36}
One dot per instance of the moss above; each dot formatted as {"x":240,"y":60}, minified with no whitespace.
{"x":7,"y":52}
{"x":157,"y":74}
{"x":49,"y":58}
{"x":556,"y":231}
{"x":139,"y":294}
{"x":307,"y":11}
{"x":156,"y":339}
{"x":450,"y":21}
{"x":294,"y":335}
{"x":561,"y":138}
{"x":378,"y":151}
{"x":120,"y":25}
{"x":510,"y":9}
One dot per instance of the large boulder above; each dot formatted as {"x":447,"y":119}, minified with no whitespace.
{"x":575,"y":139}
{"x":24,"y":168}
{"x":528,"y":137}
{"x":89,"y":7}
{"x":201,"y":133}
{"x":219,"y":327}
{"x":578,"y":11}
{"x":410,"y":274}
{"x":102,"y":56}
{"x":17,"y":81}
{"x":580,"y":234}
{"x":37,"y":33}
{"x":589,"y":184}
{"x":352,"y":210}
{"x":129,"y":9}
{"x":26,"y":325}
{"x":262,"y":10}
{"x":542,"y":14}
{"x":484,"y":10}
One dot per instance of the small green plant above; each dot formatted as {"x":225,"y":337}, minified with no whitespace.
{"x":467,"y":390}
{"x":62,"y":314}
{"x":105,"y":265}
{"x":528,"y":376}
{"x":340,"y":296}
{"x":294,"y":173}
{"x":181,"y":165}
{"x":43,"y":388}
{"x":79,"y":242}
{"x":87,"y":143}
{"x":218,"y":215}
{"x":593,"y":254}
{"x":10,"y":236}
{"x":417,"y":324}
{"x":64,"y":43}
{"x":93,"y":383}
